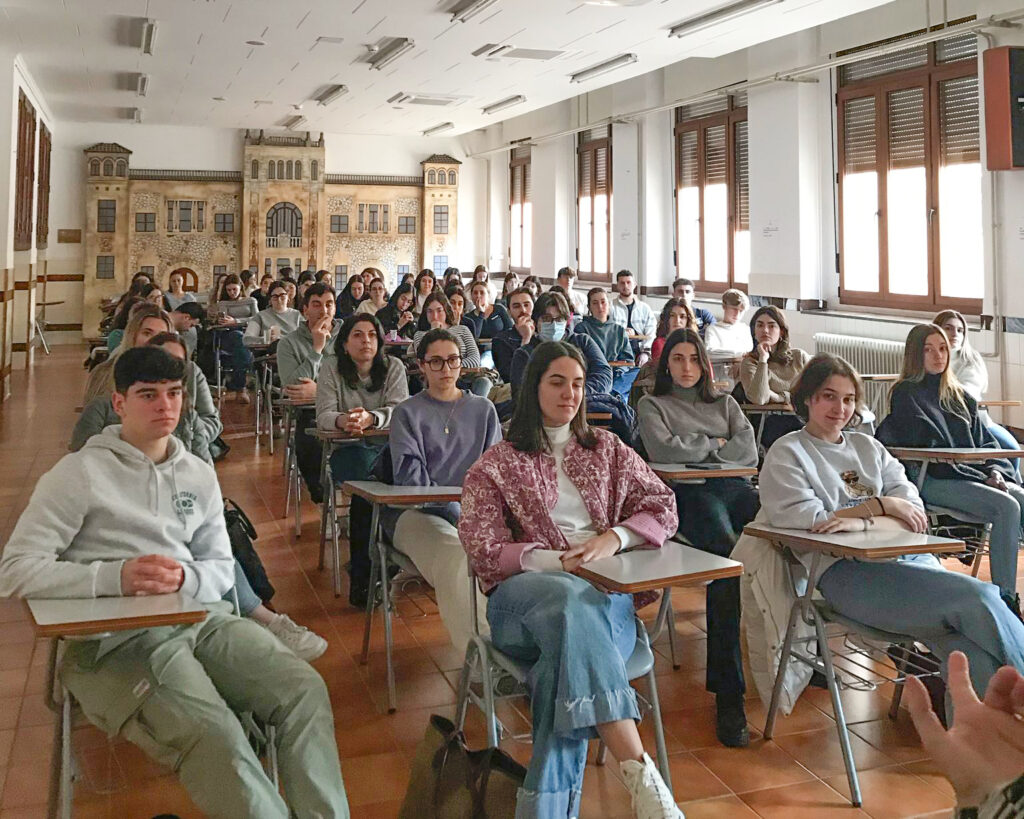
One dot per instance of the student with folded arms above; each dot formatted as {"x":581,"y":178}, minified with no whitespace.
{"x":435,"y":437}
{"x":824,"y":478}
{"x":929,"y":408}
{"x":685,"y":420}
{"x":358,"y":392}
{"x":554,"y":495}
{"x":486,"y":319}
{"x":133,"y":513}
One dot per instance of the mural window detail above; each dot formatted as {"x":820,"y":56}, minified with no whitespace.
{"x":288,"y":169}
{"x":431,"y":177}
{"x":440,"y":218}
{"x":254,"y":170}
{"x":340,"y":275}
{"x":284,"y":219}
{"x":314,"y":170}
{"x":145,"y":222}
{"x":104,"y":267}
{"x":106,"y":216}
{"x":271,"y":170}
{"x":406,"y":224}
{"x":298,"y":170}
{"x":402,"y":269}
{"x":108,"y":167}
{"x":451,"y":177}
{"x":122,"y":168}
{"x":224,"y":222}
{"x":94,"y":167}
{"x":440,"y":265}
{"x":339,"y":224}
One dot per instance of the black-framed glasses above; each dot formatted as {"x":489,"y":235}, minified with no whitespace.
{"x":437,"y":364}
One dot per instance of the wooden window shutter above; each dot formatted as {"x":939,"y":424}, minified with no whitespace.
{"x":906,"y":127}
{"x":859,"y":149}
{"x":959,"y":137}
{"x":742,"y":176}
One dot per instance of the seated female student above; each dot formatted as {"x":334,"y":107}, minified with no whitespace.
{"x":510,"y":284}
{"x":305,"y":281}
{"x":551,"y":323}
{"x":731,"y":335}
{"x":279,"y":319}
{"x":686,"y":421}
{"x":457,"y":299}
{"x":424,"y":286}
{"x":262,"y":295}
{"x":970,"y":370}
{"x":435,"y":437}
{"x":396,"y":317}
{"x":610,"y":337}
{"x":767,"y":371}
{"x":534,"y":285}
{"x":437,"y":315}
{"x":825,"y":479}
{"x":232,"y":340}
{"x":554,"y":495}
{"x":176,"y":295}
{"x":377,"y":301}
{"x":929,"y":408}
{"x":479,"y":274}
{"x":324,"y":276}
{"x":293,"y":292}
{"x":408,"y":278}
{"x":451,"y":277}
{"x":147,"y":320}
{"x":486,"y":319}
{"x":351,"y":297}
{"x":676,"y":314}
{"x":358,"y":393}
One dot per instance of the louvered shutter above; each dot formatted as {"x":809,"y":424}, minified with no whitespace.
{"x":859,"y":146}
{"x":959,"y":138}
{"x":906,"y":128}
{"x":742,"y":176}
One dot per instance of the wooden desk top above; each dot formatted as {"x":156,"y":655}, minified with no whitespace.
{"x":879,"y":376}
{"x":621,"y":363}
{"x":950,"y":454}
{"x":293,"y":402}
{"x":377,"y":492}
{"x":674,"y":564}
{"x":81,"y":617}
{"x":871,"y":545}
{"x":781,"y":408}
{"x":599,"y":416}
{"x":342,"y":435}
{"x":687,"y":472}
{"x":986,"y":403}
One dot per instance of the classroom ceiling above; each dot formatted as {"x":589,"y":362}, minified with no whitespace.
{"x":256,"y":63}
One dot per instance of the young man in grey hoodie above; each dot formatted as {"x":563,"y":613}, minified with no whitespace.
{"x":134,"y":513}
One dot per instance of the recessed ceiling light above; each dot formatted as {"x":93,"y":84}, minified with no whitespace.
{"x":256,"y":42}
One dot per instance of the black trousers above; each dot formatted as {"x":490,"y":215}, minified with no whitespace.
{"x":355,"y":463}
{"x":308,"y":453}
{"x":711,"y":518}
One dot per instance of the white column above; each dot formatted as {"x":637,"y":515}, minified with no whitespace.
{"x":658,"y":183}
{"x":552,"y":165}
{"x":497,"y":211}
{"x":627,"y":205}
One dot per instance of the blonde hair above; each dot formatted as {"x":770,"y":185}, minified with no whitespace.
{"x":735,"y":298}
{"x":966,"y":351}
{"x":140,"y":313}
{"x":951,"y":394}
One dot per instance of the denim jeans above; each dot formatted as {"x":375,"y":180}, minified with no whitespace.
{"x":947,"y":611}
{"x":1005,"y":440}
{"x":622,"y":380}
{"x":236,"y":357}
{"x":578,"y":639}
{"x":248,"y":601}
{"x":1001,"y":509}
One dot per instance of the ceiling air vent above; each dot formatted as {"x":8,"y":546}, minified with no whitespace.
{"x":433,"y":100}
{"x":493,"y":51}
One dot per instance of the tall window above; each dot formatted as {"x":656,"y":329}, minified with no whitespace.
{"x":378,"y":218}
{"x":594,"y":204}
{"x":440,"y":265}
{"x":440,"y":218}
{"x":520,"y":210}
{"x":910,"y":178}
{"x":340,"y":275}
{"x":186,"y":216}
{"x":712,"y":194}
{"x":104,"y":267}
{"x":106,"y":215}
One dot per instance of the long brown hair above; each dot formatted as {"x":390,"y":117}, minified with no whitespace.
{"x":526,"y":430}
{"x":663,"y":378}
{"x":811,"y":379}
{"x":951,"y":394}
{"x":780,"y":354}
{"x":666,"y":314}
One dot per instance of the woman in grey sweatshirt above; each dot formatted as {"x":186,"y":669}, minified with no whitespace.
{"x":684,"y":420}
{"x":357,"y":392}
{"x":278,"y":315}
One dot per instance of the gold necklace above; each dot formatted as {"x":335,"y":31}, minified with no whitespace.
{"x":455,"y":406}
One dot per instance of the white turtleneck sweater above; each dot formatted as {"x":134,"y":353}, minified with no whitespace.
{"x":570,"y":513}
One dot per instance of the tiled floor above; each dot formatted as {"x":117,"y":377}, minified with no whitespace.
{"x":800,"y":774}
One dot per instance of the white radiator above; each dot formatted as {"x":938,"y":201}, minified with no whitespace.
{"x":867,"y":355}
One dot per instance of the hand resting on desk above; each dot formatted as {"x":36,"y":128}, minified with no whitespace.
{"x":151,"y":574}
{"x":302,"y":390}
{"x":597,"y":547}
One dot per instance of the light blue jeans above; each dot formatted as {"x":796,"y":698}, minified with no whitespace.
{"x":1002,"y":509}
{"x":1005,"y":440}
{"x":947,"y":611}
{"x":248,"y":601}
{"x":578,"y":640}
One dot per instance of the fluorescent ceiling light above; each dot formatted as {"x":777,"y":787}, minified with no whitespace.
{"x":331,"y":93}
{"x":437,"y":129}
{"x":493,"y":108}
{"x":464,"y":12}
{"x":603,"y":68}
{"x":137,"y":114}
{"x":142,"y":86}
{"x":294,"y":122}
{"x":148,"y":36}
{"x":721,"y":15}
{"x":390,"y":53}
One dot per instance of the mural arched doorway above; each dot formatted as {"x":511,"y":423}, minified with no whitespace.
{"x":191,"y":279}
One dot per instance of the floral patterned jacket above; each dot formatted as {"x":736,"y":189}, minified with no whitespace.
{"x":507,"y":497}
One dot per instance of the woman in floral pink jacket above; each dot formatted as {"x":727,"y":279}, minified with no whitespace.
{"x":556,"y":494}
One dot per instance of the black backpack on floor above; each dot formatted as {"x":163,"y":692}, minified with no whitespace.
{"x":242,"y":533}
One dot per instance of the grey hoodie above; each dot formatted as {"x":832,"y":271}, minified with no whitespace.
{"x":109,"y":503}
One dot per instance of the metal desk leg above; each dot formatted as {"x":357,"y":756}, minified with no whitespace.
{"x":385,"y":585}
{"x":42,"y":336}
{"x":297,"y":481}
{"x":921,"y":475}
{"x":760,"y":430}
{"x":328,"y":492}
{"x":376,"y":572}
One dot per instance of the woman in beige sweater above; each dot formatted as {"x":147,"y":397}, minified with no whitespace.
{"x":767,"y":371}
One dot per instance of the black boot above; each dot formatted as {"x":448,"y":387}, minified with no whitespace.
{"x":731,"y":721}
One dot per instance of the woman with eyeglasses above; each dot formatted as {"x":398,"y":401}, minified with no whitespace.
{"x":435,"y":437}
{"x":437,"y":314}
{"x":377,"y":300}
{"x":278,"y":319}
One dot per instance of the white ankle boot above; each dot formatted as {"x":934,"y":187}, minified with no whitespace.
{"x":651,"y":797}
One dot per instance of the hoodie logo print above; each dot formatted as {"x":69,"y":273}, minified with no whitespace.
{"x":184,"y":503}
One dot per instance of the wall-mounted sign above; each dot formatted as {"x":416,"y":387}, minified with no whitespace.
{"x":66,"y":236}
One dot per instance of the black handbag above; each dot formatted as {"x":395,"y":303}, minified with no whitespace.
{"x":242,"y":533}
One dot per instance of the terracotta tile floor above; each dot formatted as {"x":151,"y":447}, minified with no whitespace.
{"x":800,"y":775}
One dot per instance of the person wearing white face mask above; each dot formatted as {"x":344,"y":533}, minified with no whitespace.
{"x":551,"y":323}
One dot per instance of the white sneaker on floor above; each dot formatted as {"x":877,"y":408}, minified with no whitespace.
{"x":651,"y":797}
{"x":304,"y":643}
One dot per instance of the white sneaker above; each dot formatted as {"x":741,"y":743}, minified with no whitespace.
{"x":651,"y":797}
{"x":304,"y":643}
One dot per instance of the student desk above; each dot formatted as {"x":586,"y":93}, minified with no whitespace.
{"x":870,"y":545}
{"x":674,"y":564}
{"x":263,"y":366}
{"x":947,"y":455}
{"x":762,"y":411}
{"x":331,"y":441}
{"x":92,"y":617}
{"x":290,"y":467}
{"x":986,"y":404}
{"x":689,"y":474}
{"x":879,"y":376}
{"x":401,"y":497}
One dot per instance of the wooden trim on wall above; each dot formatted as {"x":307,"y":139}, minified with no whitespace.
{"x":25,"y":285}
{"x":19,"y":347}
{"x":51,"y":327}
{"x":63,"y":277}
